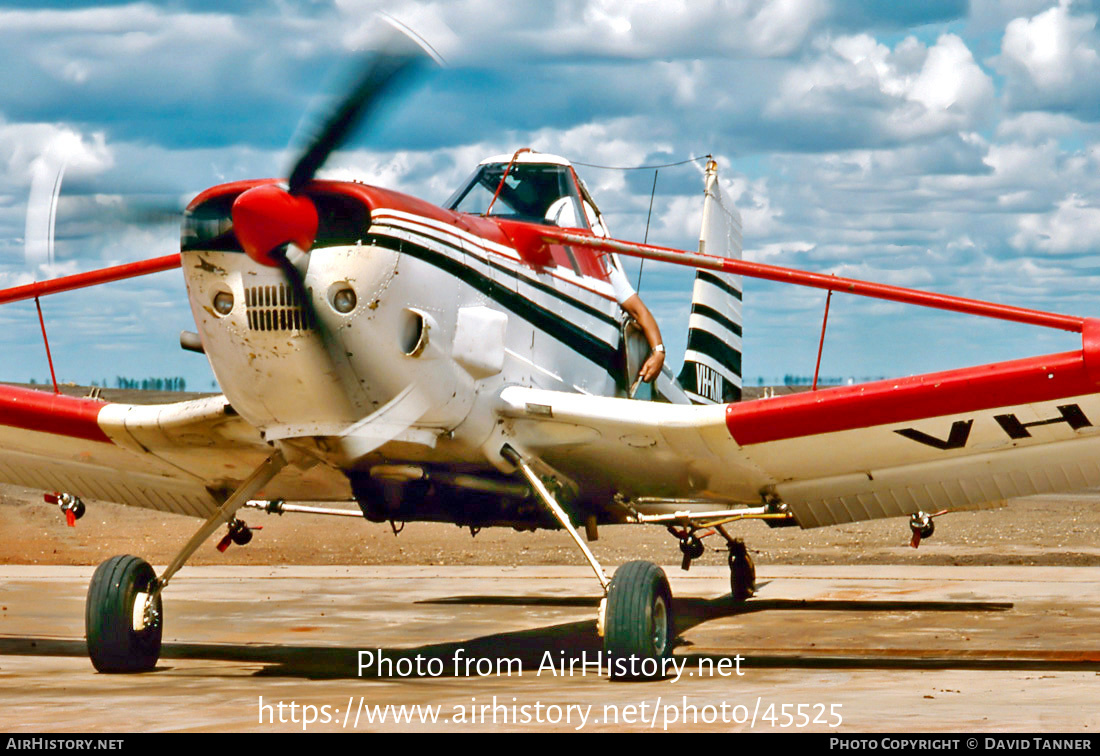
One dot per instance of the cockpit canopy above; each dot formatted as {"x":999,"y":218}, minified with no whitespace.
{"x":537,"y":188}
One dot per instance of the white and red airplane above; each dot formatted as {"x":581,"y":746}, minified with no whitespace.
{"x":471,"y":364}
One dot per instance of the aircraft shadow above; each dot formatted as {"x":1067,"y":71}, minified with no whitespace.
{"x":573,"y":641}
{"x":690,"y":612}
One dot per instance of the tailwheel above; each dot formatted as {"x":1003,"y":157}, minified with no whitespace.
{"x":122,"y":625}
{"x":638,"y":621}
{"x":742,"y":571}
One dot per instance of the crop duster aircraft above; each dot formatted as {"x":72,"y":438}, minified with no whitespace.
{"x":470,"y":364}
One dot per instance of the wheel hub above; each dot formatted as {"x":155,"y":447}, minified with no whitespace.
{"x":660,"y":626}
{"x":145,"y":612}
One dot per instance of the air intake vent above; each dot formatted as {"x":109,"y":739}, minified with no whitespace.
{"x":276,"y":308}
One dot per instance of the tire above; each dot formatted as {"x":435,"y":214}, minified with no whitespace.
{"x":638,"y":620}
{"x":113,"y":643}
{"x":742,"y":572}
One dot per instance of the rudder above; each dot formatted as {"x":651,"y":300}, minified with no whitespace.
{"x":712,"y":360}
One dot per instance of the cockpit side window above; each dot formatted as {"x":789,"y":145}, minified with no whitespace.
{"x":536,"y":193}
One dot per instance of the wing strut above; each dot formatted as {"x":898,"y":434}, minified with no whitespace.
{"x":551,"y":503}
{"x":778,"y":273}
{"x":263,"y":474}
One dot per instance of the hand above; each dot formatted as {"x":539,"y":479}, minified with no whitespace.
{"x":652,"y":367}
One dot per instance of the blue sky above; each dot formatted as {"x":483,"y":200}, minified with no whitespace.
{"x":949,"y":146}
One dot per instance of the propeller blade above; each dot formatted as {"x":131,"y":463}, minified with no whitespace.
{"x":399,"y":57}
{"x":387,"y":422}
{"x":298,"y":285}
{"x":384,"y":72}
{"x":150,"y":213}
{"x":267,"y":218}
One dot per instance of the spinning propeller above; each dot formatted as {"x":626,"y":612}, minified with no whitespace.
{"x":267,"y":218}
{"x":277,"y":225}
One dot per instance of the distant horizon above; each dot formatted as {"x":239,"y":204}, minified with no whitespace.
{"x":798,"y":381}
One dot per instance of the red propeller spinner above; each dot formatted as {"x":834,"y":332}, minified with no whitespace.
{"x":267,"y":217}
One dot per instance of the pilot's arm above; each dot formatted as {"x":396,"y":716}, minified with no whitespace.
{"x":635,"y":307}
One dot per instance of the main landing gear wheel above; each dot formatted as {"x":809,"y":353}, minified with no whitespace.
{"x":638,"y":620}
{"x":742,"y":571}
{"x":120,"y":638}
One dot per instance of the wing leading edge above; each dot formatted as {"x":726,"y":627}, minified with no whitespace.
{"x":957,"y":439}
{"x":180,"y":457}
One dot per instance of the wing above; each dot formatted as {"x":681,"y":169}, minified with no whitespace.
{"x":181,"y":457}
{"x":958,"y":439}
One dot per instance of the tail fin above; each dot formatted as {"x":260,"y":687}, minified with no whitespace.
{"x":712,"y":362}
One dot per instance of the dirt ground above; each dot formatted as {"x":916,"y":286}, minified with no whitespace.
{"x":1043,"y":530}
{"x":1048,"y":530}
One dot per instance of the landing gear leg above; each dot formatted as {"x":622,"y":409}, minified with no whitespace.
{"x":636,"y":613}
{"x":123,"y":620}
{"x":548,"y":500}
{"x":742,"y":568}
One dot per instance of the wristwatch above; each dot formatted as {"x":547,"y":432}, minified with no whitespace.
{"x":659,"y":348}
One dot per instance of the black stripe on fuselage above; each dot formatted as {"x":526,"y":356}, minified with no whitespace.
{"x":717,"y":317}
{"x":713,"y":279}
{"x":586,"y":344}
{"x":709,"y":344}
{"x":556,"y":293}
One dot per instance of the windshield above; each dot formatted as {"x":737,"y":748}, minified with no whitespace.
{"x":532,"y":192}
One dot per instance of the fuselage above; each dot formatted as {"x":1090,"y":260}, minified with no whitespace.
{"x":446,"y":308}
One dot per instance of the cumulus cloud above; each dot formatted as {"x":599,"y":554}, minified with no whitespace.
{"x":135,"y":70}
{"x":27,"y":149}
{"x":856,"y":91}
{"x":1038,"y":126}
{"x":1050,"y":61}
{"x":474,"y":30}
{"x":35,"y":157}
{"x":1073,"y":227}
